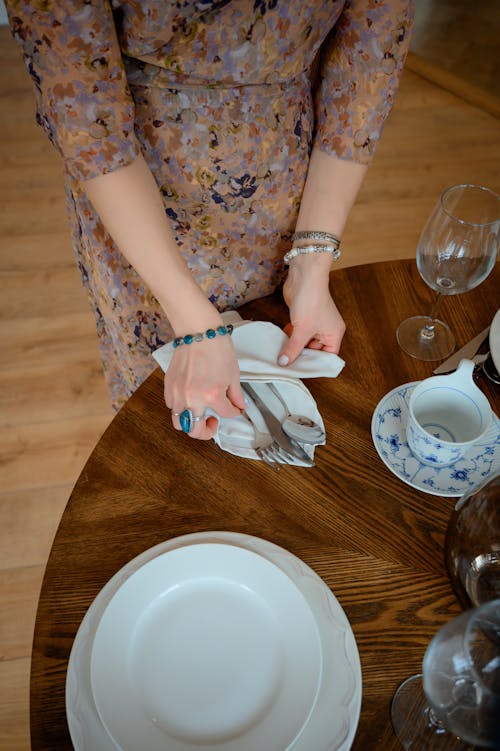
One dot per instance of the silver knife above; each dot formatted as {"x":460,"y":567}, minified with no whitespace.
{"x":465,"y":353}
{"x":274,"y":427}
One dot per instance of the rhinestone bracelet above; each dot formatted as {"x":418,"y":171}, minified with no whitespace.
{"x":326,"y":236}
{"x":304,"y":249}
{"x":208,"y":334}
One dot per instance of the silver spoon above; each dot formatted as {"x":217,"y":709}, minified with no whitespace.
{"x":302,"y":428}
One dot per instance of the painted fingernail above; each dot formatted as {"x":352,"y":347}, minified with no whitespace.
{"x":283,"y":360}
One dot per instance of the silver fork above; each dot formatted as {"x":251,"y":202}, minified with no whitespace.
{"x":265,"y":447}
{"x":288,"y":448}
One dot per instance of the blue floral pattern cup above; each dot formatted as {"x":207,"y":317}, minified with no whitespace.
{"x":446,"y":416}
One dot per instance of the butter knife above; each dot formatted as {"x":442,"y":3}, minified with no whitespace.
{"x":275,"y":429}
{"x":467,"y":352}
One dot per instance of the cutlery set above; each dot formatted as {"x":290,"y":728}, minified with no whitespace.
{"x":275,"y":446}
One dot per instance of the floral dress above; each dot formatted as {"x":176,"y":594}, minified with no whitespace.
{"x":225,"y":99}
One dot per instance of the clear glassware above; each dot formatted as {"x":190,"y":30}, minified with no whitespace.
{"x":472,"y":544}
{"x":455,"y":702}
{"x":456,"y":251}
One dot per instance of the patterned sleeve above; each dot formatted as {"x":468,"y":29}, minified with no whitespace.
{"x":82,"y":98}
{"x":360,"y":70}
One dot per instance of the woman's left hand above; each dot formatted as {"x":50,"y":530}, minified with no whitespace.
{"x":315,"y":321}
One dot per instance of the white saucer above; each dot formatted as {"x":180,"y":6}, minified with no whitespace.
{"x":328,"y":710}
{"x":389,"y":436}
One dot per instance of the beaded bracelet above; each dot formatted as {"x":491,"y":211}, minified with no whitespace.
{"x":326,"y":236}
{"x":208,"y":334}
{"x":304,"y":249}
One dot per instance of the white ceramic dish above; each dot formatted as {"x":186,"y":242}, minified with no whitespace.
{"x":209,"y":644}
{"x":389,"y":437}
{"x":495,"y":340}
{"x":327,"y":707}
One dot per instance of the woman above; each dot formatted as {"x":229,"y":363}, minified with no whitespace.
{"x":197,"y":137}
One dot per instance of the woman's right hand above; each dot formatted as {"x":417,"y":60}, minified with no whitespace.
{"x":204,"y":375}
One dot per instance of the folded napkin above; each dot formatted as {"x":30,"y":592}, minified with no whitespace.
{"x":257,"y":345}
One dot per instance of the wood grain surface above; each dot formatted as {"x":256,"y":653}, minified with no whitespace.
{"x":376,"y":542}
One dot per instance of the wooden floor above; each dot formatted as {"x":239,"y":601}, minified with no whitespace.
{"x":54,"y":404}
{"x":461,"y":37}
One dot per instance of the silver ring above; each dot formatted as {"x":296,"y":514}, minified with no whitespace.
{"x":186,"y":419}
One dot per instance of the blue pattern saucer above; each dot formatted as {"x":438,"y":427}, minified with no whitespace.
{"x":389,"y":437}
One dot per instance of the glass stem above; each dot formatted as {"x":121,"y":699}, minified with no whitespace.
{"x":428,"y":330}
{"x":433,"y":722}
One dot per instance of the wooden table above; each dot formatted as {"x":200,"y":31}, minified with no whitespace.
{"x":377,"y":542}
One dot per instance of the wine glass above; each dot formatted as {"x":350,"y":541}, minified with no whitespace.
{"x":456,"y":251}
{"x":455,"y":703}
{"x":472,"y":545}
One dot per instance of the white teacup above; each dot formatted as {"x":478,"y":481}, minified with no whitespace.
{"x":446,"y":416}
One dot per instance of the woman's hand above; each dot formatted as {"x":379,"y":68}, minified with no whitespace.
{"x":315,"y":321}
{"x":204,"y":375}
{"x":330,"y":190}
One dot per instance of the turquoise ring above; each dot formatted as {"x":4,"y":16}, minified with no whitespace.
{"x":187,"y":420}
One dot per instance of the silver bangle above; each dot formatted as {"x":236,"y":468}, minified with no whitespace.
{"x":305,"y":249}
{"x":326,"y":236}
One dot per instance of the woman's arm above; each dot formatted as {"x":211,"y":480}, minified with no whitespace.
{"x":71,"y":49}
{"x":329,"y":193}
{"x":203,"y":374}
{"x":360,"y":68}
{"x":130,"y":206}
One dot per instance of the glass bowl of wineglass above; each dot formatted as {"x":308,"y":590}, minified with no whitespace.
{"x":456,"y":251}
{"x":455,"y":702}
{"x":472,"y":544}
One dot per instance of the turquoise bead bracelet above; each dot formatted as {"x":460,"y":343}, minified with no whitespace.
{"x":208,"y":334}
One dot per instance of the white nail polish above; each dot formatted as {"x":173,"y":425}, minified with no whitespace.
{"x":283,"y":360}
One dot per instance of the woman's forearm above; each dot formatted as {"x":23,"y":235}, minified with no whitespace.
{"x":329,"y":193}
{"x":129,"y":204}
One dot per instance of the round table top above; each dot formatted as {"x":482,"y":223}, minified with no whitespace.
{"x":376,"y":541}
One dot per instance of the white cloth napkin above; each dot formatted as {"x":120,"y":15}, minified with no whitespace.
{"x":257,"y":345}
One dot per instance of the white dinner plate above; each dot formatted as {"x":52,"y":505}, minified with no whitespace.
{"x":495,"y":340}
{"x":206,"y":644}
{"x":248,"y":619}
